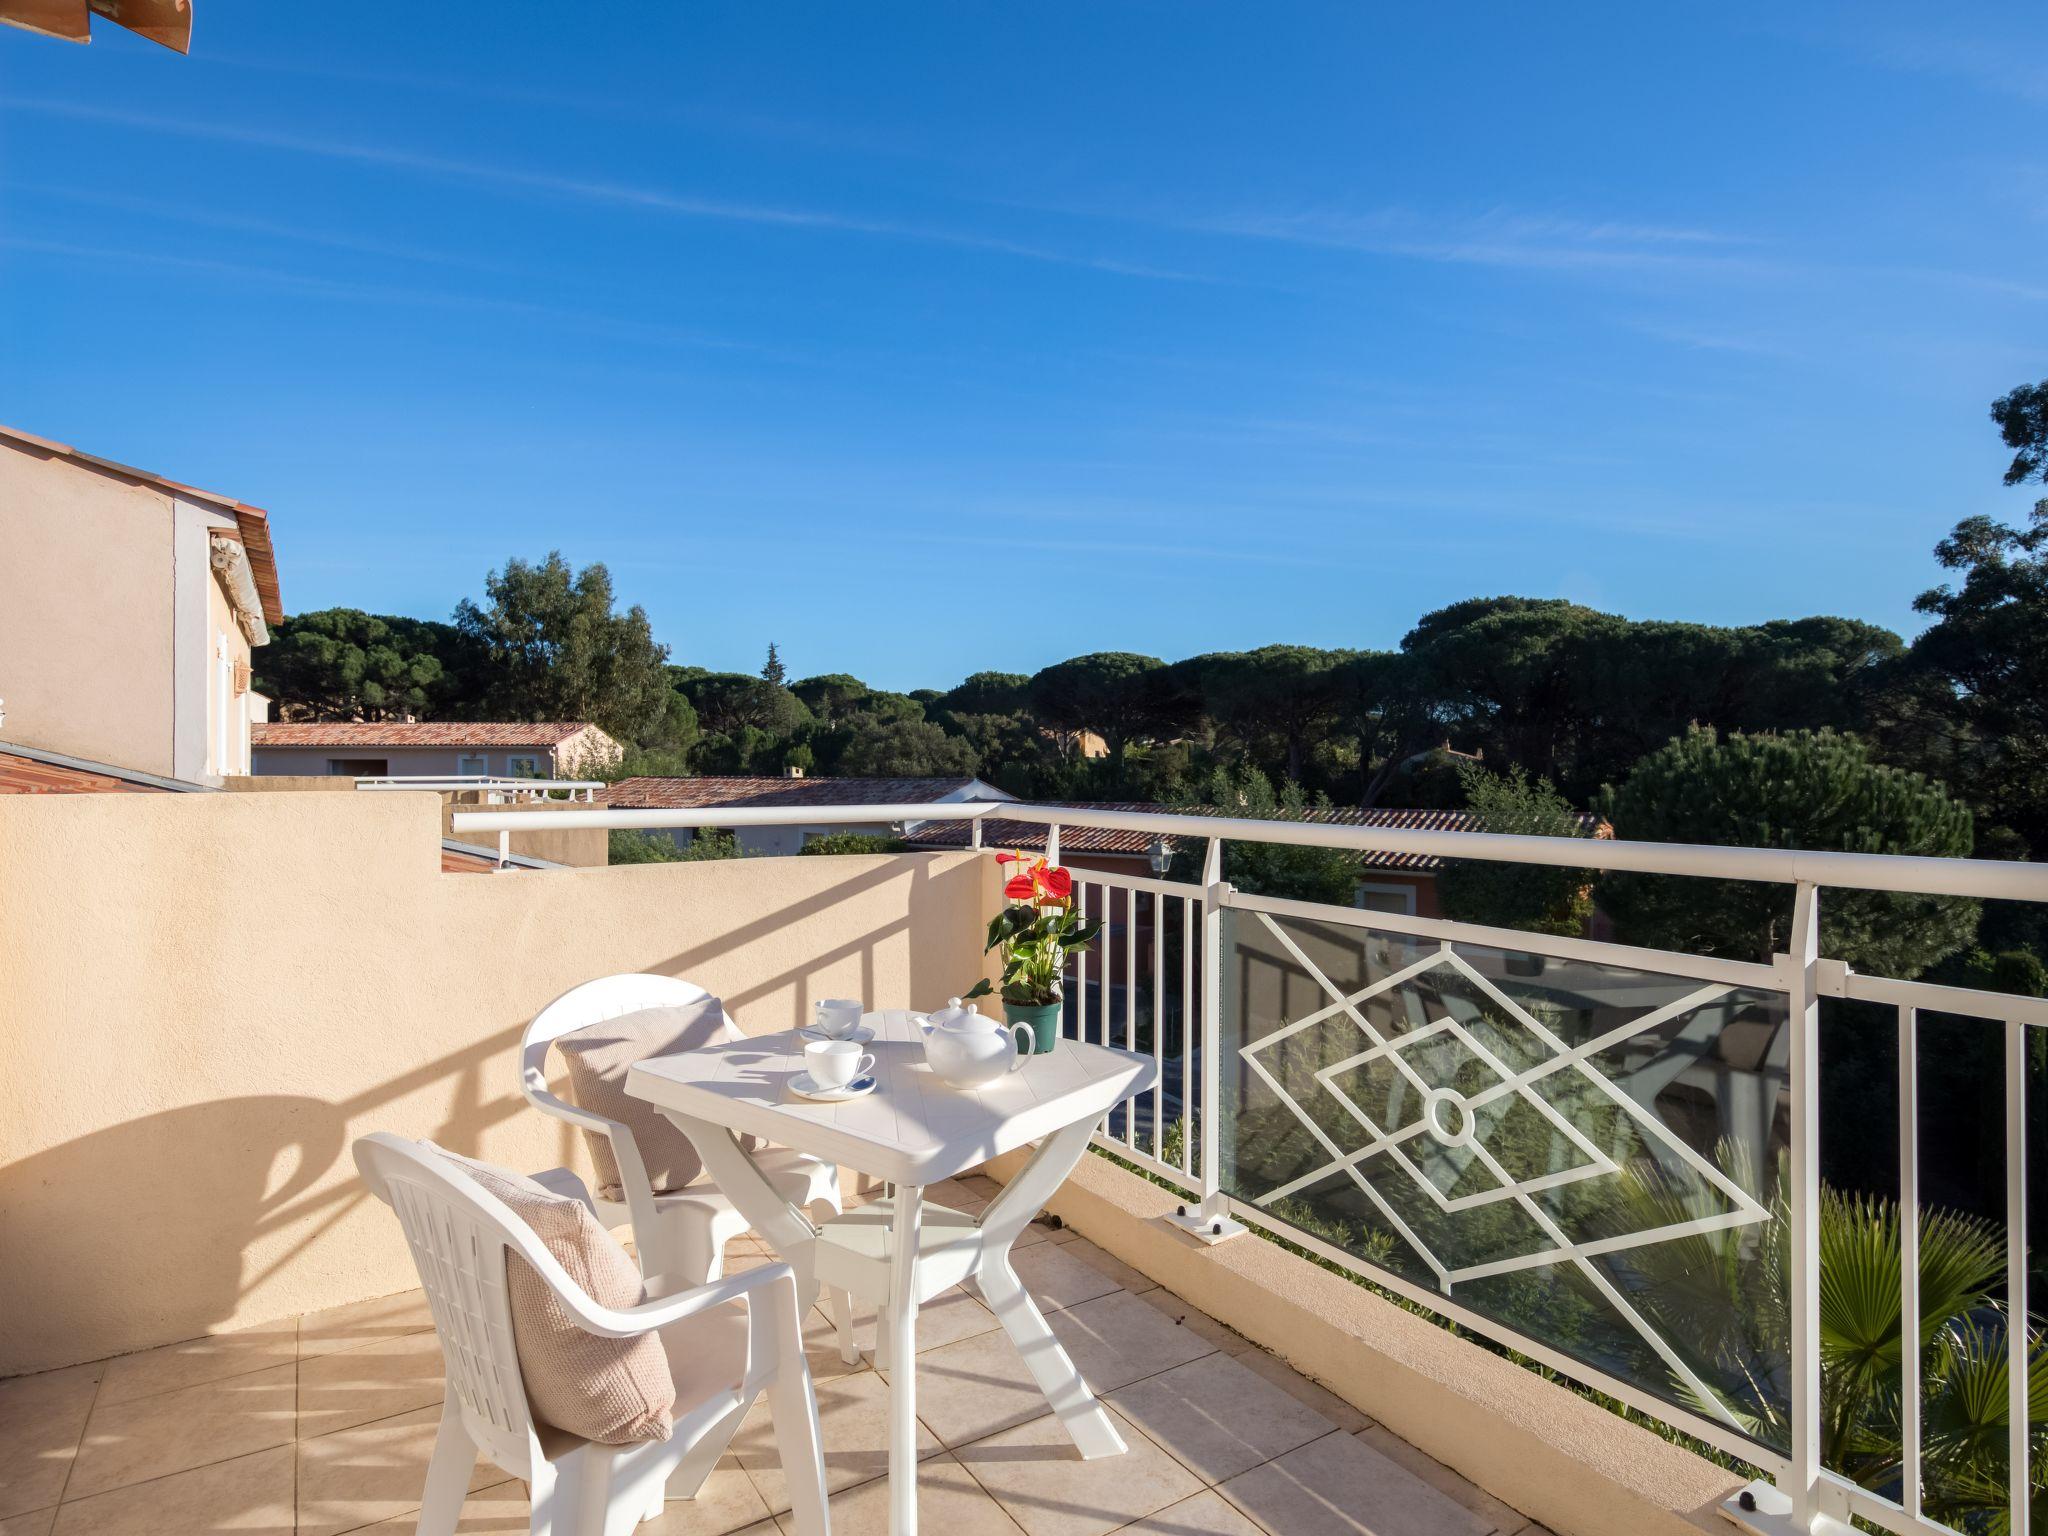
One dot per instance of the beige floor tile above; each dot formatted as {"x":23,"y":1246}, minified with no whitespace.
{"x":173,"y":1431}
{"x":1116,"y":1339}
{"x":1038,"y":1232}
{"x":972,"y":1389}
{"x":1207,"y":1514}
{"x":853,"y":1411}
{"x":371,"y":1381}
{"x":1229,"y":1340}
{"x":1340,"y":1486}
{"x":41,"y":1420}
{"x":500,"y":1510}
{"x":949,"y":1503}
{"x":1217,"y":1418}
{"x":250,"y":1496}
{"x":199,"y":1360}
{"x":947,"y":1318}
{"x":1056,"y":1278}
{"x":1292,"y":1382}
{"x":36,"y":1522}
{"x":979,"y":1186}
{"x":1502,"y":1517}
{"x":1042,"y":1482}
{"x":1135,"y":1281}
{"x":372,"y":1472}
{"x":1533,"y":1529}
{"x":728,"y":1501}
{"x":364,"y":1322}
{"x":956,"y":1194}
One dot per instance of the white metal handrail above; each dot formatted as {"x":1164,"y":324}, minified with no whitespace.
{"x":540,"y":789}
{"x":1985,"y":879}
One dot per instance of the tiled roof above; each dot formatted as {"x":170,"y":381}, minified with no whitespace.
{"x":1030,"y":835}
{"x":423,"y":733}
{"x":997,"y":832}
{"x":252,"y":524}
{"x":35,"y":771}
{"x":27,"y":776}
{"x":648,"y":792}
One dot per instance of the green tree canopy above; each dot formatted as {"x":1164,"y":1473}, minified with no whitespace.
{"x":344,"y":664}
{"x":987,"y":693}
{"x":903,"y":748}
{"x":1536,"y":898}
{"x":1267,"y":869}
{"x":1804,"y":789}
{"x":1279,"y":701}
{"x":2022,"y":417}
{"x":727,"y":702}
{"x":1987,"y":653}
{"x":550,"y":646}
{"x":1120,"y":696}
{"x":830,"y":695}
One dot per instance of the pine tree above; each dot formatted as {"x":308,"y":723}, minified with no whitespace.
{"x":1804,"y":789}
{"x":1536,"y":898}
{"x":774,"y":671}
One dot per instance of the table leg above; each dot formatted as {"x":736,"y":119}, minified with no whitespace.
{"x":900,"y":1321}
{"x":1087,"y":1422}
{"x":789,"y":1231}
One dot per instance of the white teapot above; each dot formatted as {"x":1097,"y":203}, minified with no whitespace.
{"x":967,"y":1048}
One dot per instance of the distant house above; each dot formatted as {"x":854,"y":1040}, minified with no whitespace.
{"x":652,"y":793}
{"x":129,"y":607}
{"x":446,"y":749}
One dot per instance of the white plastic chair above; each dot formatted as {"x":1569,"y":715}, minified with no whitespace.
{"x":726,"y":1342}
{"x":680,"y":1236}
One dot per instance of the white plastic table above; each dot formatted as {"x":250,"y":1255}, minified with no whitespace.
{"x":913,"y":1130}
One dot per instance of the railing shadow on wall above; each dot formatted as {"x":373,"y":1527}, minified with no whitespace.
{"x":185,"y":1220}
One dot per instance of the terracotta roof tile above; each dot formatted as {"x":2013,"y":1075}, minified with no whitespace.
{"x":423,"y":733}
{"x":28,"y":776}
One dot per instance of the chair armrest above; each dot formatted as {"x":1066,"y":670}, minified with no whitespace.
{"x":633,"y":1181}
{"x":547,"y":1103}
{"x":630,"y":1322}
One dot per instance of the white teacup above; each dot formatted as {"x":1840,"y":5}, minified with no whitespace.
{"x":837,"y":1016}
{"x":835,"y":1063}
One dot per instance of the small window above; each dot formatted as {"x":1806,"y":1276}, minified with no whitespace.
{"x":473,"y":765}
{"x":525,"y":767}
{"x":360,"y":767}
{"x":1399,"y":899}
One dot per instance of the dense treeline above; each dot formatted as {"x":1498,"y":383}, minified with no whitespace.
{"x":1551,"y":689}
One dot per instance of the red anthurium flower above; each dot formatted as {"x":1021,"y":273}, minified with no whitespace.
{"x":1057,"y":883}
{"x":1009,"y":858}
{"x":1020,"y":888}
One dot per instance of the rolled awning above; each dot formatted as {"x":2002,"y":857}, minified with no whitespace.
{"x":161,"y":21}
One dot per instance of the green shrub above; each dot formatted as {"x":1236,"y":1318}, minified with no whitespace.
{"x":854,"y":842}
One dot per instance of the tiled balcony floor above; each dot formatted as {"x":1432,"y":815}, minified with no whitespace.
{"x":323,"y":1425}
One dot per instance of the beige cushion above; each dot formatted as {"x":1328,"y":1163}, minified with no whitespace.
{"x":598,"y":1057}
{"x":614,"y":1391}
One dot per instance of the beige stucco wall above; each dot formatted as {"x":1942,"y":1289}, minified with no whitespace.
{"x":221,"y":629}
{"x":207,"y":997}
{"x":85,"y":612}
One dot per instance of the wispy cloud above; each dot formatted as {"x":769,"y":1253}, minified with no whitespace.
{"x":1496,"y":238}
{"x":633,"y":328}
{"x":620,"y":194}
{"x":2006,"y":66}
{"x":204,"y":218}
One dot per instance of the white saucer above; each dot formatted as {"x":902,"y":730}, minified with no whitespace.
{"x":861,"y":1034}
{"x":860,"y":1087}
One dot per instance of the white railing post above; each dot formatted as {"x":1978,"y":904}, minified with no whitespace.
{"x":2018,"y":1324}
{"x":505,"y":850}
{"x":1795,"y":1504}
{"x":1211,"y":1222}
{"x":1052,"y":843}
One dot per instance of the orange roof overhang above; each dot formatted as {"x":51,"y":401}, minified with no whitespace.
{"x":168,"y":22}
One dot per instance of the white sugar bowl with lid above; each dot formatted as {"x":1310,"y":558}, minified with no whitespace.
{"x":967,"y":1048}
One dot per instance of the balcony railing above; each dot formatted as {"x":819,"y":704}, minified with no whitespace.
{"x":1608,"y":1159}
{"x":496,"y":791}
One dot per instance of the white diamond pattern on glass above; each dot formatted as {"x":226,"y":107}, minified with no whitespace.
{"x":1449,"y":1089}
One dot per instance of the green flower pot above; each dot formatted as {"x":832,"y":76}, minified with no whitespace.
{"x":1044,"y":1019}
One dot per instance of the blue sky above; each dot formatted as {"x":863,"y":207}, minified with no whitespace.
{"x":923,"y":339}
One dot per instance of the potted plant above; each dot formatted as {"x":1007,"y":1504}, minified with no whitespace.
{"x":1036,"y":933}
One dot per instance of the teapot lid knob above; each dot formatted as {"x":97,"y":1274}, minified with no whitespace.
{"x":952,"y":1003}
